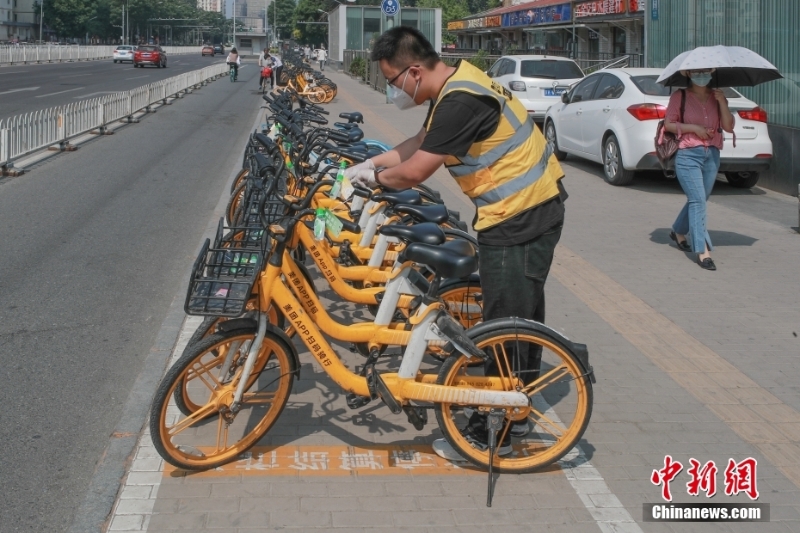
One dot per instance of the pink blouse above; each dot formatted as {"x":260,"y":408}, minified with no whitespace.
{"x":695,"y":112}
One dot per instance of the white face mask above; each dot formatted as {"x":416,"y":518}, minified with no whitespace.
{"x":701,"y":79}
{"x":400,"y":98}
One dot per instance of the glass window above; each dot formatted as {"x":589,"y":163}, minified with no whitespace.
{"x":494,"y":69}
{"x":372,"y":26}
{"x":583,"y":91}
{"x":354,"y":29}
{"x":550,"y":69}
{"x":609,"y":88}
{"x":409,"y":17}
{"x":649,"y":86}
{"x":427,"y":24}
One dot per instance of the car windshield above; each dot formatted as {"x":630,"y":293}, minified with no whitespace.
{"x":147,"y":48}
{"x":649,"y":86}
{"x":550,"y":69}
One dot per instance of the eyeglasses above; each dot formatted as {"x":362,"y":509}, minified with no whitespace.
{"x":391,"y":81}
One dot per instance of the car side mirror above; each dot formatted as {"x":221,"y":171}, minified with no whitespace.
{"x":565,"y":97}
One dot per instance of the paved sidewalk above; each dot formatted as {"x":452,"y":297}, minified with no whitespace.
{"x":689,"y":363}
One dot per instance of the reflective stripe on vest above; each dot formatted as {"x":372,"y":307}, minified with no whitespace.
{"x":511,"y":171}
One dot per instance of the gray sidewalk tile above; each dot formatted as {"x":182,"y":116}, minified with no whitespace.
{"x":239,"y":519}
{"x":364,"y":518}
{"x":300,"y":519}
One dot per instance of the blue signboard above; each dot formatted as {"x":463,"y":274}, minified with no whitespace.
{"x":654,"y":10}
{"x":390,"y":7}
{"x":538,"y":15}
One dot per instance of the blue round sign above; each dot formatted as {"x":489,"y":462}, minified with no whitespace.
{"x":390,"y":7}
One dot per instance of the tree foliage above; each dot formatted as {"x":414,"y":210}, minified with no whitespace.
{"x":285,"y":17}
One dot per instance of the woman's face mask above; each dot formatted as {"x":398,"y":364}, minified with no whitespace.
{"x":400,"y":98}
{"x":701,"y":78}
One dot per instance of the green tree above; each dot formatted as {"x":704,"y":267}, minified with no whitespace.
{"x":285,"y":17}
{"x":309,"y":11}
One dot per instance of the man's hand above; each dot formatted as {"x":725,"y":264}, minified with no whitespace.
{"x":353,"y":171}
{"x":364,"y":178}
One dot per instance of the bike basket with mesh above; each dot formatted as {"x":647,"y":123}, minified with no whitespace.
{"x":223,"y":275}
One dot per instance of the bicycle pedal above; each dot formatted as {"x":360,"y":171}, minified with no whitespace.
{"x":385,"y":394}
{"x":417,"y":416}
{"x":354,"y":401}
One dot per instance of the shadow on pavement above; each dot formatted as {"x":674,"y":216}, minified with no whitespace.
{"x":719,"y":238}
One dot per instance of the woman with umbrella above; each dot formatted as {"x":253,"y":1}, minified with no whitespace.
{"x":697,"y":116}
{"x":699,"y":130}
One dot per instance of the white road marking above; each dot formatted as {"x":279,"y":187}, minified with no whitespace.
{"x":20,"y":90}
{"x":75,"y":76}
{"x":60,"y":92}
{"x":137,"y":77}
{"x":13,"y":72}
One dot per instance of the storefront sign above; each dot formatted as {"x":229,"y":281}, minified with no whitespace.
{"x":599,"y":7}
{"x":654,"y":10}
{"x":456,"y":25}
{"x":475,"y":23}
{"x":635,"y":6}
{"x":538,"y":15}
{"x":494,"y":22}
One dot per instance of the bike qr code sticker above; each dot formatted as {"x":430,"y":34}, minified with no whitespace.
{"x":333,"y":223}
{"x":347,"y":189}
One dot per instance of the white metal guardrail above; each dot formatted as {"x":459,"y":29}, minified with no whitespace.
{"x":24,"y":134}
{"x":10,"y":55}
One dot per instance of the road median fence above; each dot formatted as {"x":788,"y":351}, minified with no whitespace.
{"x":20,"y":55}
{"x":54,"y":127}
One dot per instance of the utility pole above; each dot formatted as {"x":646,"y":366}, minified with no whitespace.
{"x":234,"y":24}
{"x":41,"y":19}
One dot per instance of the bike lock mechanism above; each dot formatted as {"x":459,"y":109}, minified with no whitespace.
{"x":446,"y":327}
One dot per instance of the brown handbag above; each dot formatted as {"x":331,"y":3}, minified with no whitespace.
{"x":667,"y":142}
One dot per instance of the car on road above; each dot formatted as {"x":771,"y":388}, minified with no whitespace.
{"x":123,"y":52}
{"x":150,"y":54}
{"x":537,"y":80}
{"x":207,"y":50}
{"x":219,"y":49}
{"x":610,"y":117}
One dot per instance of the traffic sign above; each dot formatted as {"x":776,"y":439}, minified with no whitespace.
{"x":390,"y":8}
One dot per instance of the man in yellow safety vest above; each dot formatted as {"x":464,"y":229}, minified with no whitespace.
{"x":483,"y":135}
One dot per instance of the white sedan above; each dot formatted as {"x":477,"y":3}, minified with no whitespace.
{"x":124,"y":52}
{"x":611,"y":116}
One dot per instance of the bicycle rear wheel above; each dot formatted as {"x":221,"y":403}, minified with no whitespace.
{"x":560,"y":395}
{"x":215,"y":434}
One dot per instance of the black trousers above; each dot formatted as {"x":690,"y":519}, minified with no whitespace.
{"x":512,"y":283}
{"x":277,"y":71}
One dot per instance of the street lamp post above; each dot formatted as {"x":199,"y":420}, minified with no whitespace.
{"x":41,"y":19}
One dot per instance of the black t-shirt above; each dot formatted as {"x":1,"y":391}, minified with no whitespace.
{"x":461,"y":120}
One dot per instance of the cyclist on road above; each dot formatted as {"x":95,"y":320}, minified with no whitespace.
{"x":483,"y":135}
{"x":235,"y":60}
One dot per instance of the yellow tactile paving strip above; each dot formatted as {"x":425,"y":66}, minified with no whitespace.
{"x":757,"y":416}
{"x":311,"y":460}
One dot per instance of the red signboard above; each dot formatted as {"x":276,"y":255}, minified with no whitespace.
{"x":600,"y":7}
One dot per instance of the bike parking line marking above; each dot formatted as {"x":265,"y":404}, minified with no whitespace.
{"x":20,"y":90}
{"x":758,"y":417}
{"x":60,"y":92}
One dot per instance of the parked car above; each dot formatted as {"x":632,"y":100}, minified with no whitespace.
{"x":219,"y":49}
{"x":536,"y":80}
{"x":150,"y":54}
{"x":207,"y":50}
{"x":124,"y":52}
{"x":611,"y":116}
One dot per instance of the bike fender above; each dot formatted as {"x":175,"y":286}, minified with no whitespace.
{"x":581,"y":351}
{"x":289,"y":344}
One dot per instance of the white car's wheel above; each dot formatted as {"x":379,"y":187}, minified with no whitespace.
{"x":550,"y":135}
{"x":613,"y":171}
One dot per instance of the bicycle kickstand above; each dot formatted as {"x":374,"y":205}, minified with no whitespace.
{"x":494,"y":424}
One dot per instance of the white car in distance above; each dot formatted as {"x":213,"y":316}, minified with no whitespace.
{"x":611,"y":116}
{"x":123,"y":52}
{"x":537,"y":80}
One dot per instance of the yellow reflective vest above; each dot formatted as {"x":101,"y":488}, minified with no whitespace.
{"x":513,"y":170}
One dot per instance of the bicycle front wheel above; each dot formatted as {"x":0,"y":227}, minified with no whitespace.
{"x":560,"y":395}
{"x":207,"y":376}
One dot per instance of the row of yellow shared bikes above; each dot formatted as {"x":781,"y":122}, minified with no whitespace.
{"x":293,"y":228}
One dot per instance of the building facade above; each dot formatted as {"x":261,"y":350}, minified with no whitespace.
{"x":19,"y":21}
{"x":766,"y":27}
{"x":357,"y":27}
{"x":217,"y":6}
{"x":594,"y":30}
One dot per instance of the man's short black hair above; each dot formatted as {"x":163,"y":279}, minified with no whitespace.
{"x":402,"y":46}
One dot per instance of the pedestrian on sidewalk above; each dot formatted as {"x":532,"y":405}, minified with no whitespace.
{"x":322,"y":56}
{"x":265,"y":60}
{"x":485,"y":138}
{"x":706,"y":115}
{"x":277,"y":69}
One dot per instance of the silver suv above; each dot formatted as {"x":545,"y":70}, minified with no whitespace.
{"x":537,"y":80}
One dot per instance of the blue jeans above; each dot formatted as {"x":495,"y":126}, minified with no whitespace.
{"x":696,"y":169}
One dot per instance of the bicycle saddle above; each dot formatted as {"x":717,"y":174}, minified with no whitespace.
{"x":424,"y":213}
{"x":352,"y":117}
{"x":425,"y":233}
{"x":453,"y":259}
{"x":406,"y":197}
{"x":345,"y":125}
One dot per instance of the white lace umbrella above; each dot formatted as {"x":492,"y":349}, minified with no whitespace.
{"x":735,"y":66}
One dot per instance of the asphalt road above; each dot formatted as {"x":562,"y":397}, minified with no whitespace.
{"x":26,"y":88}
{"x":95,"y":246}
